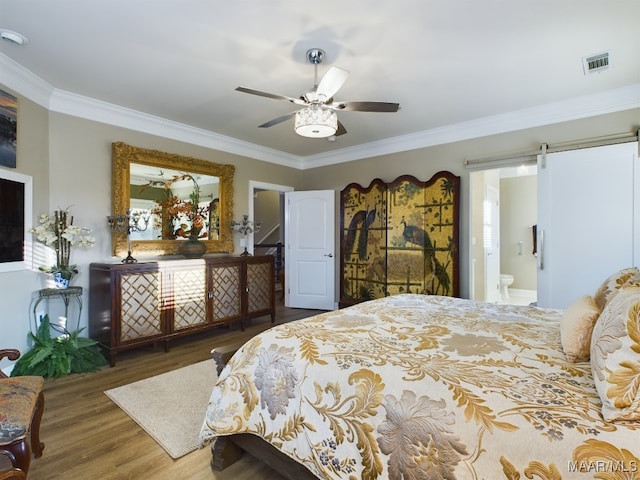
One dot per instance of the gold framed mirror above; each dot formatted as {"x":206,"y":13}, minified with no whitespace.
{"x":150,"y":168}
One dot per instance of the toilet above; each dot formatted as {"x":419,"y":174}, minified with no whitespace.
{"x":505,"y":283}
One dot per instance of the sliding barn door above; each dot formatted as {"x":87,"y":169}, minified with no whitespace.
{"x":586,"y":220}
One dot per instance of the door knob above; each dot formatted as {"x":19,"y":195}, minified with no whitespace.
{"x":330,"y":255}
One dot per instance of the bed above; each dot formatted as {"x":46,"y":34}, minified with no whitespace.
{"x":425,"y":387}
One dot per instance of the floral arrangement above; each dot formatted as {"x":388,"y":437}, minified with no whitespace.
{"x":59,"y":232}
{"x":172,"y":208}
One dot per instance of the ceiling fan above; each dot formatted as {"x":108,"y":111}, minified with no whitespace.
{"x":318,"y":118}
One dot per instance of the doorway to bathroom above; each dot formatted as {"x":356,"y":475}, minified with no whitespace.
{"x":503,"y":217}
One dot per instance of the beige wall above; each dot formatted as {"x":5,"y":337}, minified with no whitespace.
{"x":518,"y":212}
{"x":423,"y":163}
{"x":32,"y":160}
{"x":70,"y":161}
{"x":267,"y":211}
{"x":88,"y":158}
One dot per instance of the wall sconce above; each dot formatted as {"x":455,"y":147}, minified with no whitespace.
{"x":245,"y":227}
{"x":130,"y":222}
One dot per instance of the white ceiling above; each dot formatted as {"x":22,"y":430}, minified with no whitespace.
{"x":457,"y":68}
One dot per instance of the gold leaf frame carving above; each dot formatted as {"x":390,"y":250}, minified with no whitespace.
{"x":124,"y":155}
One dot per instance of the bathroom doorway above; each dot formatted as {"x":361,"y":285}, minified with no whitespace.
{"x":516,"y":189}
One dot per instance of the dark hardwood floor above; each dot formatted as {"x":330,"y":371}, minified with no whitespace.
{"x":88,"y":437}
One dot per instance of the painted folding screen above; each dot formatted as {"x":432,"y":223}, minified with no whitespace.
{"x":400,"y":237}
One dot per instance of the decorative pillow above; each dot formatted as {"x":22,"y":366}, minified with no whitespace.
{"x":576,"y":326}
{"x":615,"y":356}
{"x":621,"y":279}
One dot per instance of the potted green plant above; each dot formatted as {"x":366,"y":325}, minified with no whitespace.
{"x":69,"y":352}
{"x":52,"y":357}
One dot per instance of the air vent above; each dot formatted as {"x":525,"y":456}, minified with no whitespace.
{"x":596,"y":63}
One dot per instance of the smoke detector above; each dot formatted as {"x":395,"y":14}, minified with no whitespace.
{"x":14,"y":37}
{"x":596,"y":63}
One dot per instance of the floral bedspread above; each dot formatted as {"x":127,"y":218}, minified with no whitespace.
{"x":423,"y":387}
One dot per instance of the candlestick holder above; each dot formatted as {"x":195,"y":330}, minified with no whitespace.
{"x":245,"y":227}
{"x":130,"y":222}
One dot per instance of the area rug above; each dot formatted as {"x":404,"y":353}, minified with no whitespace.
{"x":170,"y":407}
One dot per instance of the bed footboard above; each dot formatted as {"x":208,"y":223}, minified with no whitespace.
{"x":222,"y":354}
{"x":224,"y":453}
{"x":227,"y":450}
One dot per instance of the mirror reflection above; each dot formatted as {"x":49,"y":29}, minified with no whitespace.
{"x":179,"y":204}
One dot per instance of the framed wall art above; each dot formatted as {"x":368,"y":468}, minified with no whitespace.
{"x":8,"y":129}
{"x":16,"y":192}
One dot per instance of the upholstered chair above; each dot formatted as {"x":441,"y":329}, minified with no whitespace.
{"x":21,"y":408}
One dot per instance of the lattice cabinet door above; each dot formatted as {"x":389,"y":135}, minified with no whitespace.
{"x":260,"y":284}
{"x":140,"y":306}
{"x":225,"y":293}
{"x":188,"y":294}
{"x":131,"y":305}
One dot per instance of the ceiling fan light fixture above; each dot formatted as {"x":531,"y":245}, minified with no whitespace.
{"x":316,"y":122}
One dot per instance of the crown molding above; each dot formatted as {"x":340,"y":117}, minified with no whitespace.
{"x":25,"y":83}
{"x":103,"y":112}
{"x":617,"y":100}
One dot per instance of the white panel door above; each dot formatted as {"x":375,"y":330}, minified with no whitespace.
{"x":585,"y":220}
{"x":310,"y":255}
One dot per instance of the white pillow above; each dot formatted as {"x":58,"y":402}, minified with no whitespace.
{"x":611,"y":286}
{"x":576,"y":326}
{"x":615,"y":356}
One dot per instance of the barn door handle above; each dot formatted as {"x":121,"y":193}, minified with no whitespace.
{"x":330,"y":255}
{"x":541,"y":249}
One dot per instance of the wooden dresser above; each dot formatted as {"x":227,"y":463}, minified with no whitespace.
{"x":131,"y":305}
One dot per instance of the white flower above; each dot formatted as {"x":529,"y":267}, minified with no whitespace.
{"x":60,"y":233}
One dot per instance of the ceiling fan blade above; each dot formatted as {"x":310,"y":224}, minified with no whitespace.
{"x":331,"y":82}
{"x":341,"y":130}
{"x":297,"y":101}
{"x":365,"y":106}
{"x":277,"y":120}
